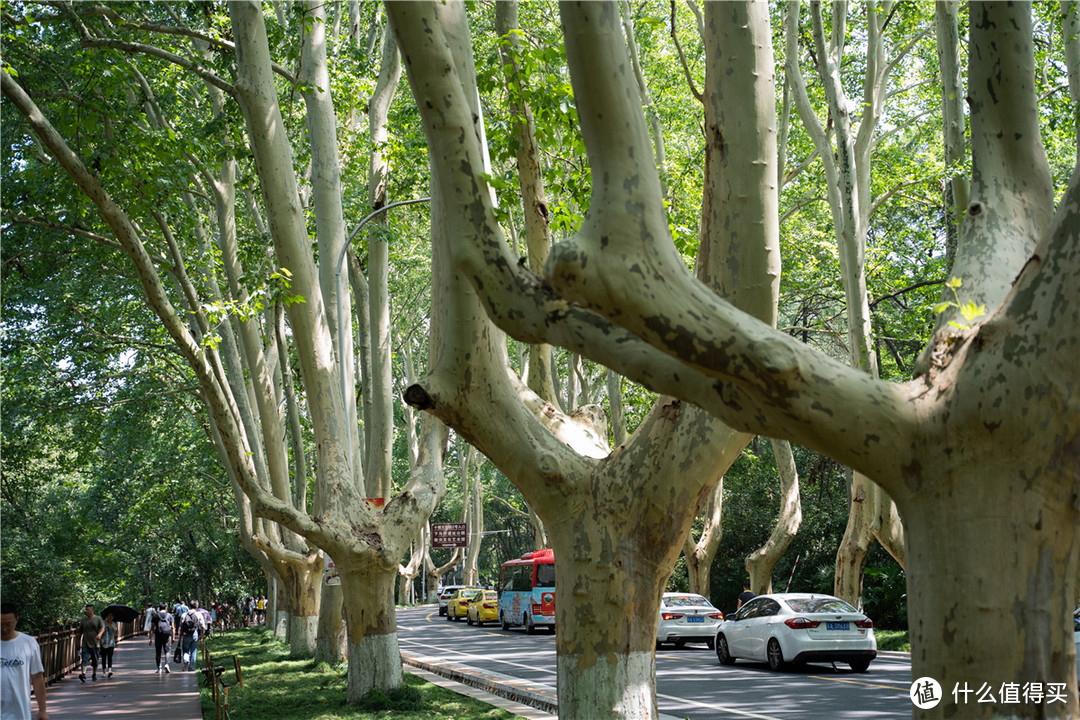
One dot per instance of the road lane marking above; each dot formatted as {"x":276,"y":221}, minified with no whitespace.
{"x":721,"y":708}
{"x":488,"y":658}
{"x":904,"y":690}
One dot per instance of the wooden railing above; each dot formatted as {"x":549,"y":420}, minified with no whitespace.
{"x":60,"y":648}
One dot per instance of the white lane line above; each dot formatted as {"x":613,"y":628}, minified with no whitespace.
{"x":721,"y":708}
{"x":441,"y":652}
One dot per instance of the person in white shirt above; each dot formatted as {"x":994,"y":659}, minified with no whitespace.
{"x":20,"y":667}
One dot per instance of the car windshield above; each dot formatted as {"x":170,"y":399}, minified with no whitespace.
{"x":820,"y":605}
{"x":468,"y":593}
{"x":685,"y":601}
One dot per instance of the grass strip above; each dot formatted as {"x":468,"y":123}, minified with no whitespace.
{"x":892,"y":640}
{"x":278,"y":686}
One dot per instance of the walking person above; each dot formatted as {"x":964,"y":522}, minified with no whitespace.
{"x":148,"y":624}
{"x":161,"y":636}
{"x":91,"y":627}
{"x":191,"y":624}
{"x":108,"y":643}
{"x":260,"y":609}
{"x":206,"y":629}
{"x":179,"y":608}
{"x":20,"y":668}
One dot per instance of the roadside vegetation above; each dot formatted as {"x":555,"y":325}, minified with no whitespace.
{"x":279,"y":686}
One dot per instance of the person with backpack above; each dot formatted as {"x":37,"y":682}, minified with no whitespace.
{"x":161,"y":635}
{"x":179,"y":608}
{"x":191,"y":624}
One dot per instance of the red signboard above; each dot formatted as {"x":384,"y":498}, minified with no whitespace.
{"x":449,"y":535}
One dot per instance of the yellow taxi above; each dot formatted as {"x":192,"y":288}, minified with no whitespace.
{"x":483,"y":608}
{"x":457,"y":606}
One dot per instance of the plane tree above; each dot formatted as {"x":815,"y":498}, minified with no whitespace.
{"x":981,"y":449}
{"x":158,"y":168}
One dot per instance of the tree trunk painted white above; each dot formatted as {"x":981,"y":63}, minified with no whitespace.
{"x":374,"y":658}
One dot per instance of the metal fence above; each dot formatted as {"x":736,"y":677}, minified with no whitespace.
{"x":60,"y":649}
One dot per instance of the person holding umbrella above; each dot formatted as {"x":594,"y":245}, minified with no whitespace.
{"x":108,"y":642}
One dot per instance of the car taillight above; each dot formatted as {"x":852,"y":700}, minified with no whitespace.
{"x":865,"y":623}
{"x":489,"y":606}
{"x":717,"y":615}
{"x":672,"y":616}
{"x":800,"y":623}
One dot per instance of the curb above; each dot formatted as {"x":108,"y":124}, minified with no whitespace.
{"x":537,"y":695}
{"x":541,"y":697}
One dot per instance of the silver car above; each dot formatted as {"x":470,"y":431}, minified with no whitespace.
{"x":797,"y":628}
{"x":687,"y":617}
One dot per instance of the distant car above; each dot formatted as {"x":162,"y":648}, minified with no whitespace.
{"x":687,"y":617}
{"x":457,"y":606}
{"x":797,"y":628}
{"x":484,"y":607}
{"x":445,"y":594}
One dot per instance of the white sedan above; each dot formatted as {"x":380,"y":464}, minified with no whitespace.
{"x":687,"y":617}
{"x":797,"y":628}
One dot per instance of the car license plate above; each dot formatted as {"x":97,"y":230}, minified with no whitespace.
{"x":836,"y":626}
{"x":695,"y":619}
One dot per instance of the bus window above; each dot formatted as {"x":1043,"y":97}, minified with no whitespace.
{"x":522,"y":579}
{"x":545,"y":575}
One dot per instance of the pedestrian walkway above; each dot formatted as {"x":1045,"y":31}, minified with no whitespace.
{"x":134,"y":692}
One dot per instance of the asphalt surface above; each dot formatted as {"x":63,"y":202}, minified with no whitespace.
{"x":690,"y":682}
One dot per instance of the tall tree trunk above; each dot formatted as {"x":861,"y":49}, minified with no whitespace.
{"x":379,"y":428}
{"x":700,"y":554}
{"x":761,"y":562}
{"x":616,"y":521}
{"x":530,"y":180}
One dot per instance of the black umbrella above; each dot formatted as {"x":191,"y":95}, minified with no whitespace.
{"x":121,"y":613}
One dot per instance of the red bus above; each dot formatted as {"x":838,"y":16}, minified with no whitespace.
{"x":527,"y":591}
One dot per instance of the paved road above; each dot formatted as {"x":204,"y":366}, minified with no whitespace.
{"x":690,"y":683}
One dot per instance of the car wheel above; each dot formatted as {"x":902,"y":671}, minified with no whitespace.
{"x":530,"y":629}
{"x":504,"y":622}
{"x":775,"y":655}
{"x":860,"y":666}
{"x":722,"y":652}
{"x":679,"y":644}
{"x":448,"y":616}
{"x":468,"y":619}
